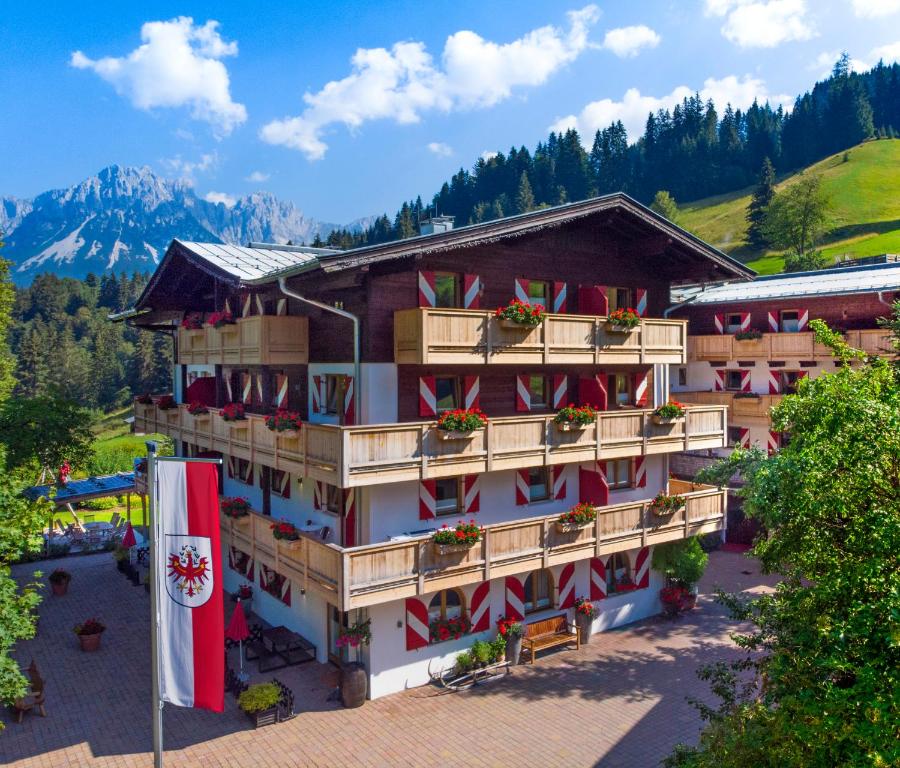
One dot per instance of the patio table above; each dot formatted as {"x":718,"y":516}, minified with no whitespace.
{"x":281,"y":647}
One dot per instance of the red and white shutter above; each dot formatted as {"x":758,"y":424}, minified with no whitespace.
{"x":258,"y":380}
{"x":774,"y":442}
{"x":640,"y":389}
{"x":719,"y":380}
{"x":260,"y":309}
{"x":427,"y":499}
{"x":522,"y":290}
{"x":745,"y":381}
{"x":774,"y":382}
{"x":471,"y":494}
{"x":640,"y":472}
{"x":641,"y":301}
{"x":560,"y":390}
{"x":227,"y":378}
{"x":227,"y":305}
{"x":598,"y":579}
{"x":745,"y":321}
{"x":515,"y":599}
{"x":230,"y":468}
{"x":719,"y":320}
{"x":642,"y":568}
{"x":773,"y":322}
{"x":426,"y":289}
{"x":267,"y":577}
{"x":349,"y":407}
{"x":558,"y":478}
{"x":744,"y":437}
{"x":593,"y":487}
{"x":523,"y":394}
{"x":281,"y":483}
{"x":480,"y":607}
{"x":566,"y":583}
{"x":559,"y":297}
{"x":523,"y":489}
{"x":192,"y":626}
{"x":281,"y":390}
{"x":417,"y":634}
{"x":281,"y":307}
{"x":320,"y":499}
{"x":471,"y":392}
{"x":318,"y":394}
{"x":471,"y":292}
{"x":246,"y":388}
{"x":803,"y":319}
{"x":349,"y":517}
{"x":427,"y":396}
{"x":246,"y":304}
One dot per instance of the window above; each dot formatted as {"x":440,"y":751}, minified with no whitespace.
{"x":538,"y":484}
{"x":733,"y":322}
{"x":620,"y":298}
{"x":733,"y":380}
{"x":446,"y":289}
{"x":448,"y":496}
{"x":789,"y":380}
{"x":682,"y":377}
{"x":242,"y":470}
{"x":620,"y":388}
{"x":618,"y":574}
{"x":446,"y":391}
{"x":539,"y":293}
{"x":537,"y":387}
{"x":281,"y":483}
{"x":618,"y":474}
{"x":734,"y":436}
{"x":332,"y":393}
{"x":446,"y":604}
{"x":538,"y":588}
{"x":332,"y":499}
{"x":790,"y":321}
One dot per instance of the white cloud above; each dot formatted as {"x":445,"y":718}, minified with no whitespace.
{"x":488,"y":155}
{"x":628,"y":41}
{"x":220,"y":197}
{"x":440,"y":149}
{"x":873,"y":9}
{"x":826,"y":60}
{"x":404,"y":82}
{"x":257,"y":177}
{"x":188,"y":169}
{"x":888,"y":53}
{"x":761,"y":24}
{"x":634,"y":107}
{"x":177,"y":65}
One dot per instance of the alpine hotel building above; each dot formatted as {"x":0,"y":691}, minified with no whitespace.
{"x":369,"y":346}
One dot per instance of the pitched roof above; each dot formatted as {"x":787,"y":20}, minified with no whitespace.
{"x":248,"y":264}
{"x":826,"y":282}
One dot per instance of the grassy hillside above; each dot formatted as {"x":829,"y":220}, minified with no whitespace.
{"x":864,"y":186}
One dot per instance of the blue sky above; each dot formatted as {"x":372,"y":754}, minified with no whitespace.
{"x":274,"y":96}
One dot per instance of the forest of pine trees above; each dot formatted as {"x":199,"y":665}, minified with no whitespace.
{"x":694,"y":151}
{"x":65,"y":345}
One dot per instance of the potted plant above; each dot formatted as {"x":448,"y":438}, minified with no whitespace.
{"x":464,"y":662}
{"x":668,"y":413}
{"x":441,"y":630}
{"x":193,"y":321}
{"x":220,"y":319}
{"x":517,"y":314}
{"x":260,"y":703}
{"x":59,"y":581}
{"x":482,"y":653}
{"x":166,"y":403}
{"x":683,"y":563}
{"x":622,"y":320}
{"x":120,"y":555}
{"x":498,"y":649}
{"x":574,"y":417}
{"x":89,"y":633}
{"x":354,"y":683}
{"x":584,"y":617}
{"x":459,"y":539}
{"x":233,"y":412}
{"x":511,"y":631}
{"x":460,"y":424}
{"x":752,"y":334}
{"x":285,"y":531}
{"x":235,"y":507}
{"x":664,"y":505}
{"x":285,"y":422}
{"x":198,"y":410}
{"x":578,"y":517}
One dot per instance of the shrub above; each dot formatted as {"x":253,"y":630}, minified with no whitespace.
{"x":482,"y":651}
{"x":523,"y":314}
{"x":464,"y":662}
{"x":682,"y":562}
{"x":259,"y":697}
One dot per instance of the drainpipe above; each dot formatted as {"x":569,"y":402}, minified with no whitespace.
{"x":670,"y":310}
{"x":282,"y":284}
{"x":880,"y":295}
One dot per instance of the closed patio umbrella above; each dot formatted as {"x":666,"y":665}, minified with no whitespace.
{"x":128,"y":540}
{"x":237,"y":631}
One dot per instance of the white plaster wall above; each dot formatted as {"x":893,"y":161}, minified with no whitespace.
{"x":701,"y":376}
{"x":378,"y":396}
{"x":393,"y":509}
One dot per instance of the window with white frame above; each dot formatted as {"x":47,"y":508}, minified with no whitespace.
{"x":447,"y":290}
{"x":538,"y":484}
{"x":618,"y":573}
{"x":448,"y":496}
{"x":790,"y":321}
{"x":620,"y":389}
{"x":447,"y":393}
{"x":732,"y":322}
{"x":734,"y":380}
{"x":619,"y":474}
{"x":538,"y":590}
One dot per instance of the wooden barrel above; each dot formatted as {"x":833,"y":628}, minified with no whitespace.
{"x":353,"y":684}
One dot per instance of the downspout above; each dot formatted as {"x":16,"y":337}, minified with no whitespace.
{"x":282,"y":284}
{"x":881,"y":299}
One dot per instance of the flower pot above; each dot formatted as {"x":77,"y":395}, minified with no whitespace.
{"x":239,"y":522}
{"x":663,"y":421}
{"x":456,"y":434}
{"x":562,"y":527}
{"x":507,"y":323}
{"x":90,"y":643}
{"x":616,"y":328}
{"x":449,"y":549}
{"x":290,"y":544}
{"x":689,"y":601}
{"x":583,"y":623}
{"x":264,"y":717}
{"x":514,"y":649}
{"x":570,"y":426}
{"x":661,"y":512}
{"x":60,"y":587}
{"x":291,"y":434}
{"x":354,"y":684}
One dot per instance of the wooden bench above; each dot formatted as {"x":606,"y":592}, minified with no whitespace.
{"x":548,"y":633}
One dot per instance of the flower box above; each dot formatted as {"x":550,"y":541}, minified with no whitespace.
{"x":520,"y":315}
{"x":449,"y":549}
{"x":291,"y":544}
{"x":612,"y":327}
{"x":664,"y":420}
{"x":571,"y":527}
{"x":570,"y":426}
{"x":457,"y":434}
{"x":264,"y":717}
{"x":515,"y":325}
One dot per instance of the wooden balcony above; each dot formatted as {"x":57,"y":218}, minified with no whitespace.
{"x":782,"y":346}
{"x":258,"y":340}
{"x":387,"y":453}
{"x":378,"y":573}
{"x":429,"y":336}
{"x":742,"y":410}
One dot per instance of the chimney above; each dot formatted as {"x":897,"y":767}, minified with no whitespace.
{"x":436,"y":224}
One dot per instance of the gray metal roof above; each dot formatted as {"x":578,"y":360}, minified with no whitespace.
{"x":86,"y":488}
{"x":826,"y":282}
{"x":250,"y":264}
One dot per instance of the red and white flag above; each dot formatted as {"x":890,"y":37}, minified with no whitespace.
{"x":189,"y":572}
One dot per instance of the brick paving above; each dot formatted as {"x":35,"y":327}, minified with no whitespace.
{"x":618,"y":702}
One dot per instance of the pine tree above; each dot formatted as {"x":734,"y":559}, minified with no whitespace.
{"x":759,"y":207}
{"x":664,"y":204}
{"x":524,"y":195}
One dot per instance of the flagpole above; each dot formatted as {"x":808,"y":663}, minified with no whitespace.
{"x":155,"y":642}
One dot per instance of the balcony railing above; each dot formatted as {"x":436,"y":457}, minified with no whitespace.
{"x":428,"y":336}
{"x":782,"y":346}
{"x":258,"y":340}
{"x":742,"y":409}
{"x":378,"y":573}
{"x":387,"y":453}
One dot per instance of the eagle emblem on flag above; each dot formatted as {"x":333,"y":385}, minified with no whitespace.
{"x":189,"y":572}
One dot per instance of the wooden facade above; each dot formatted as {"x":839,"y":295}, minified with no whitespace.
{"x":781,"y":346}
{"x":256,"y":340}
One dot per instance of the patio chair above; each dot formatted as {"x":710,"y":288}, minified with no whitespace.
{"x":34,"y":698}
{"x":115,"y":520}
{"x":60,"y":528}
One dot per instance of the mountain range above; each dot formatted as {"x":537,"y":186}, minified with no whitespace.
{"x":123,"y":218}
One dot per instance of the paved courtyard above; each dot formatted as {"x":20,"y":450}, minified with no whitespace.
{"x":618,"y":702}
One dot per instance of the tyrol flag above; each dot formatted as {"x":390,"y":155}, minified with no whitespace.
{"x":189,"y":576}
